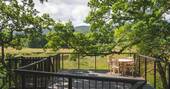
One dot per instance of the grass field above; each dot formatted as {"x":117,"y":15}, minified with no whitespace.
{"x":88,"y":62}
{"x":85,"y":62}
{"x":33,"y":52}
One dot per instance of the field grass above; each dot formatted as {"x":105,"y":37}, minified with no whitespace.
{"x":87,"y":62}
{"x":33,"y":52}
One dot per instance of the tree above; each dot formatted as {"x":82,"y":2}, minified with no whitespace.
{"x":38,"y":42}
{"x":17,"y":19}
{"x":139,"y":23}
{"x":60,"y":35}
{"x":120,"y":24}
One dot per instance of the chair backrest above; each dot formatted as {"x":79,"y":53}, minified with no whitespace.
{"x":115,"y":62}
{"x":112,"y":61}
{"x":109,"y":58}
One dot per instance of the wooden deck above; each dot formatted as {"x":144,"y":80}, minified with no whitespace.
{"x":61,"y":83}
{"x":99,"y":73}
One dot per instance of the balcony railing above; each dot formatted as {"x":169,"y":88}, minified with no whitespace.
{"x":47,"y":73}
{"x":44,"y":74}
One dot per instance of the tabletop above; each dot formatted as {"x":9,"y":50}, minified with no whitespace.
{"x":125,"y":60}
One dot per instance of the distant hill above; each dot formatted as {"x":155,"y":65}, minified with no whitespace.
{"x":82,"y":29}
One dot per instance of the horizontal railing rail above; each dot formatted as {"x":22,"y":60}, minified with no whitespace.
{"x":34,"y":63}
{"x":96,"y":54}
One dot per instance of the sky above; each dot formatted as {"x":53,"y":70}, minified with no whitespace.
{"x":65,"y":10}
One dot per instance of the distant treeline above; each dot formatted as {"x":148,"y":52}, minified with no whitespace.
{"x":38,"y":42}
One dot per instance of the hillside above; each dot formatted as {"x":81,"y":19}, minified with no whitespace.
{"x":82,"y":29}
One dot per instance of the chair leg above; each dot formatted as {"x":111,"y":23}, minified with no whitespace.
{"x":118,"y":71}
{"x":110,"y":69}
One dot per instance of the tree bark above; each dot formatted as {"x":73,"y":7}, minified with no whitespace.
{"x":162,"y":74}
{"x":3,"y":55}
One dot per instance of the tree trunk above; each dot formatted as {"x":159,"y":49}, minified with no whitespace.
{"x":3,"y":55}
{"x":162,"y":74}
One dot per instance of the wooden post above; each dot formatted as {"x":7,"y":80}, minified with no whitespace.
{"x":69,"y":83}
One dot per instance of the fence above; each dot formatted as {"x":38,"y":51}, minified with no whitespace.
{"x":44,"y":74}
{"x":9,"y":77}
{"x":147,"y":67}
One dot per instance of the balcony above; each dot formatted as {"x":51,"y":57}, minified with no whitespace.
{"x":55,"y":72}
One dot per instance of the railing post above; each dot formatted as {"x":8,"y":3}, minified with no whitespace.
{"x":135,"y":64}
{"x":169,"y":75}
{"x":155,"y":74}
{"x":10,"y":72}
{"x":78,"y":61}
{"x":59,"y":61}
{"x":139,"y":65}
{"x":69,"y":83}
{"x":95,"y":62}
{"x":52,"y":58}
{"x":62,"y":61}
{"x":34,"y":81}
{"x":49,"y":64}
{"x":23,"y":80}
{"x":146,"y":69}
{"x":56,"y":63}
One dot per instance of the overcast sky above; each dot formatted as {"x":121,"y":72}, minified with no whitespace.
{"x":64,"y":10}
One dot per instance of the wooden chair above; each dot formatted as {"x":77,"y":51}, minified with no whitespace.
{"x":126,"y":68}
{"x":109,"y":61}
{"x":113,"y":65}
{"x":129,"y":68}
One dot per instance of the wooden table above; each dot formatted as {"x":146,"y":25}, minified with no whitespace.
{"x":124,"y":61}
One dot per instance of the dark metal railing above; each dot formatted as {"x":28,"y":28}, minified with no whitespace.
{"x":47,"y":74}
{"x":50,"y":80}
{"x":10,"y":78}
{"x":147,"y":67}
